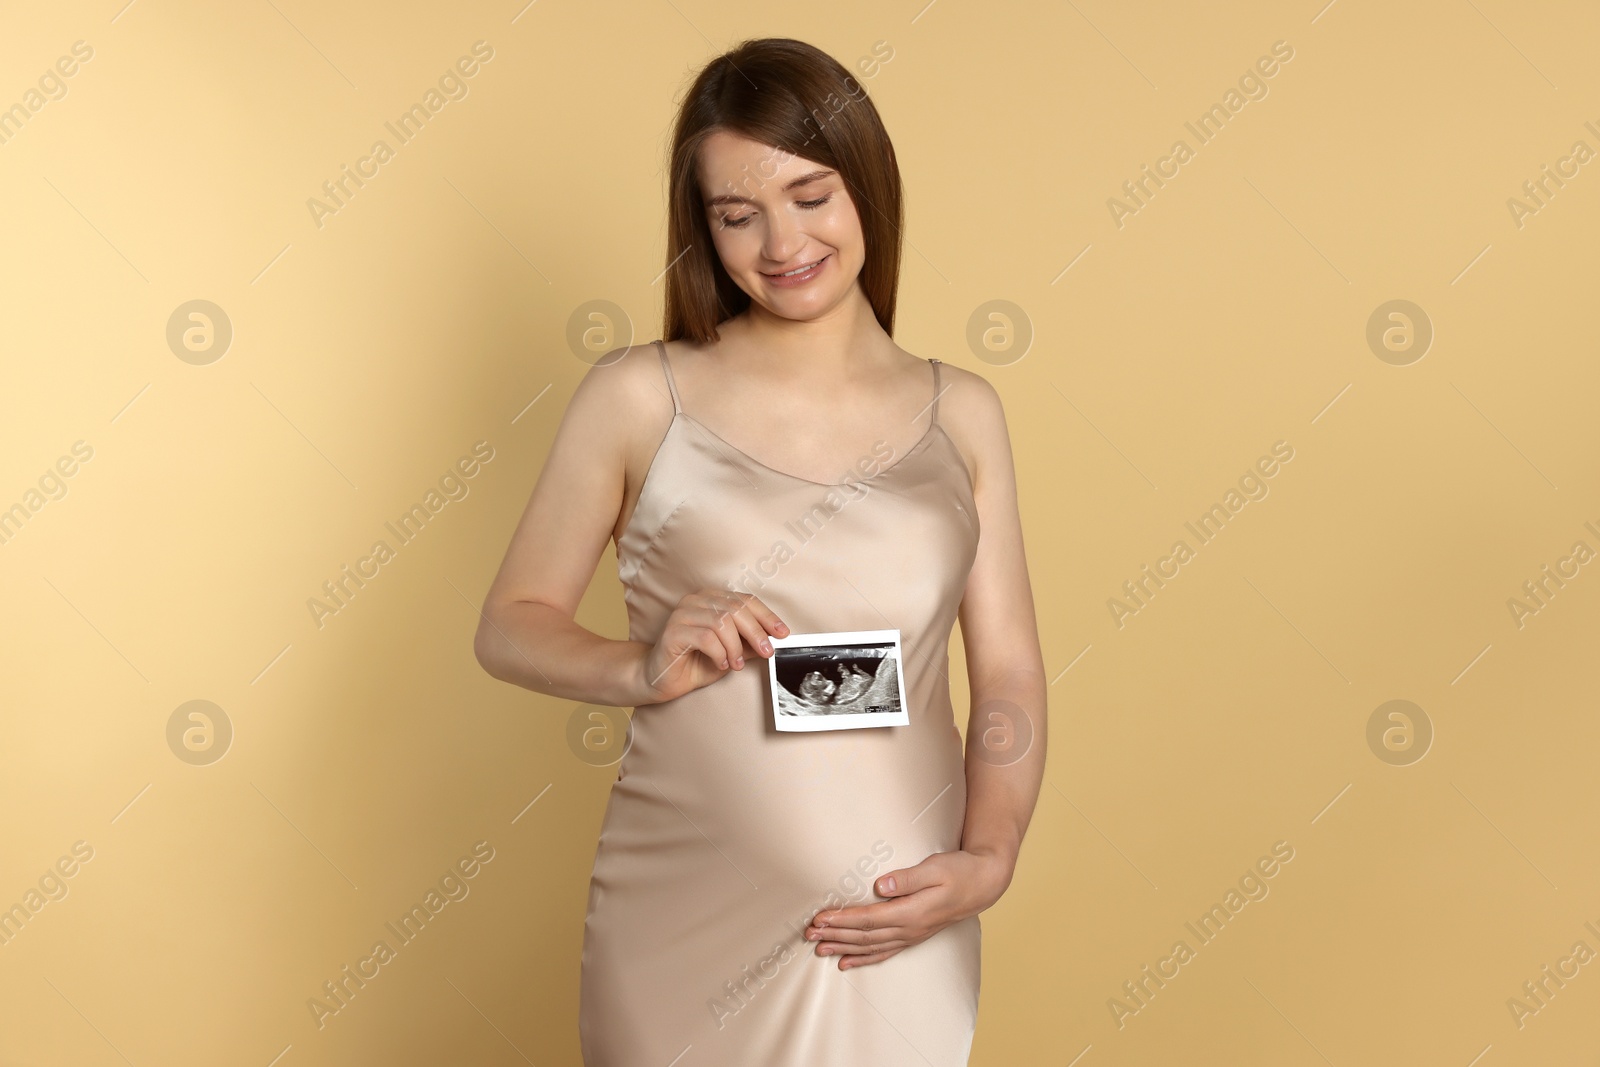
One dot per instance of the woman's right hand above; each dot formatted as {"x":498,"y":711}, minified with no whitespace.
{"x":705,"y":637}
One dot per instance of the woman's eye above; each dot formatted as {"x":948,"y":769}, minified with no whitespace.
{"x":809,"y":205}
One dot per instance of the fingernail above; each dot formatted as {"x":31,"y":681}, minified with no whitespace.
{"x":724,"y":664}
{"x":888,"y":885}
{"x":739,"y":661}
{"x":766,"y":648}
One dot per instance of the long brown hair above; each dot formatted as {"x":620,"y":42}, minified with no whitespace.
{"x":796,"y":98}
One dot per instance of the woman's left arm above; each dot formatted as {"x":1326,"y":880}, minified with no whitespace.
{"x":1006,"y":730}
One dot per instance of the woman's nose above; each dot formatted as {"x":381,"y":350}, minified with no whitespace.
{"x":782,"y":239}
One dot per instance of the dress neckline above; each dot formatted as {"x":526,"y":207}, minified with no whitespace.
{"x":723,"y":446}
{"x":661,"y":453}
{"x":678,"y":409}
{"x":921,"y":442}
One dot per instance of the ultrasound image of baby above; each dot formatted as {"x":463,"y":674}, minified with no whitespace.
{"x":853,"y":681}
{"x":838,"y":681}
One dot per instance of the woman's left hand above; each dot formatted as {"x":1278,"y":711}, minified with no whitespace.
{"x":945,"y":888}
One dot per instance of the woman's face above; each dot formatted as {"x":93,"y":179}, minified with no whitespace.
{"x":770,"y":212}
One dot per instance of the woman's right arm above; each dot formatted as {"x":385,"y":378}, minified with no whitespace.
{"x":526,"y":632}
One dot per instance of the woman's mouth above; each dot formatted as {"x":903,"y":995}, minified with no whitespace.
{"x":799,"y":275}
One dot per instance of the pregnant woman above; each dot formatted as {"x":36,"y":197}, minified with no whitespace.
{"x":778,"y":465}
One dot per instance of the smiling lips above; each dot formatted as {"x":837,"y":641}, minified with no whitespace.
{"x":798,"y":276}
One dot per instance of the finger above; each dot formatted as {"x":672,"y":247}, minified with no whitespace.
{"x":841,"y":948}
{"x":716,"y":613}
{"x":722,"y":622}
{"x":750,"y":628}
{"x":848,"y":962}
{"x":864,"y":916}
{"x":708,"y":647}
{"x":906,"y":880}
{"x":751,"y":619}
{"x":843,"y":936}
{"x":700,"y":639}
{"x":716,"y":639}
{"x":765,"y":616}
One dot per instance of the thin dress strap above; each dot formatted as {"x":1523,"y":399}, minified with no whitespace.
{"x":671,"y":385}
{"x":933,"y":416}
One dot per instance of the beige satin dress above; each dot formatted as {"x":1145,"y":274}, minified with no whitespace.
{"x":722,"y":837}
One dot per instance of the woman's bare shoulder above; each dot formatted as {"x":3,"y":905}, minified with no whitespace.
{"x":616,"y":420}
{"x":971,"y":412}
{"x":624,"y":390}
{"x":967,"y":387}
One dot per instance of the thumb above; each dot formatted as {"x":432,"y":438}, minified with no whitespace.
{"x":899,"y":883}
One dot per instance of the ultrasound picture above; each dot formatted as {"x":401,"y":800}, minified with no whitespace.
{"x":837,"y":680}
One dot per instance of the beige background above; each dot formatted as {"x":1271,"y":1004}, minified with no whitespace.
{"x":433,"y":311}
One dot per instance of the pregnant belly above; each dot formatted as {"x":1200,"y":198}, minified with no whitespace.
{"x":708,"y":776}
